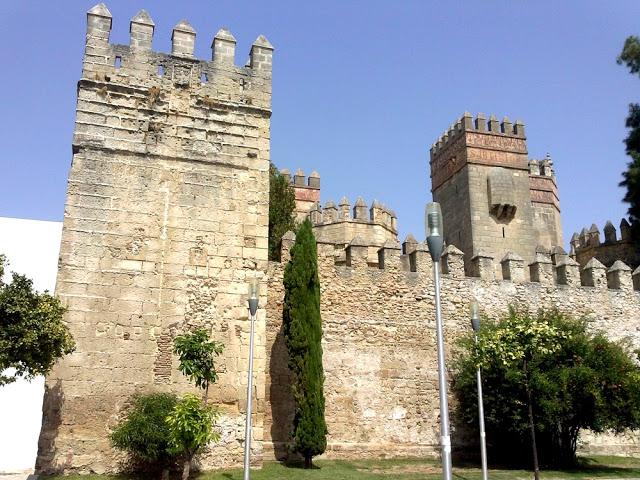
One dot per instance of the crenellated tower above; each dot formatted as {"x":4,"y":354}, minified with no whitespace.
{"x":166,"y":219}
{"x":494,"y":198}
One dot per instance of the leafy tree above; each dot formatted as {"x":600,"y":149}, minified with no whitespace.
{"x":630,"y":56}
{"x":282,"y":204}
{"x":303,"y":334}
{"x":197,"y":353}
{"x":144,"y":432}
{"x":548,"y":371}
{"x":191,"y":428}
{"x":191,"y":421}
{"x":32,"y":334}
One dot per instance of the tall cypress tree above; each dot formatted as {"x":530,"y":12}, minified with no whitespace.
{"x":630,"y":56}
{"x":282,"y":205}
{"x":303,"y":334}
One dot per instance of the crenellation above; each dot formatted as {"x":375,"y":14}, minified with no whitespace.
{"x":360,"y":210}
{"x":483,"y":266}
{"x":141,"y":32}
{"x":594,"y":274}
{"x":452,"y":261}
{"x":183,"y":39}
{"x":588,"y":245}
{"x":513,"y":267}
{"x":609,"y":233}
{"x":344,"y":209}
{"x":619,"y":276}
{"x":223,"y":48}
{"x":541,"y":269}
{"x":568,"y":272}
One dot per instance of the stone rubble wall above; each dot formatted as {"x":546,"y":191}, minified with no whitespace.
{"x":166,"y":218}
{"x":379,"y":338}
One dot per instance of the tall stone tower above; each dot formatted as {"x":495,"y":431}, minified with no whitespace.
{"x":166,"y":219}
{"x":494,"y":198}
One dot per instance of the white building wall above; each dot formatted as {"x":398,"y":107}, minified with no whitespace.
{"x":31,"y":247}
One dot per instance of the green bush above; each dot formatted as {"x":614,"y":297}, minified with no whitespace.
{"x":577,"y":379}
{"x":191,"y":428}
{"x":144,"y":432}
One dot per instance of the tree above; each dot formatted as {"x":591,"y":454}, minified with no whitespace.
{"x":191,"y":421}
{"x":303,"y":335}
{"x":630,"y":56}
{"x":191,"y":428}
{"x":32,"y":333}
{"x":546,"y":371}
{"x":144,"y":432}
{"x":197,"y":354}
{"x":282,"y":205}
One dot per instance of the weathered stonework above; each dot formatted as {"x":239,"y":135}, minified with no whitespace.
{"x":494,"y":198}
{"x":379,"y":341}
{"x":589,"y":244}
{"x":165,"y":219}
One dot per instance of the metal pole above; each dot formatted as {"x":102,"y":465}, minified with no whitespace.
{"x":483,"y":436}
{"x":247,"y":428}
{"x":445,"y":437}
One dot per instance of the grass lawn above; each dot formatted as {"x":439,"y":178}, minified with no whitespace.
{"x":410,"y":469}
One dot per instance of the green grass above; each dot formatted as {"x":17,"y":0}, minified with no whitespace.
{"x":408,"y":469}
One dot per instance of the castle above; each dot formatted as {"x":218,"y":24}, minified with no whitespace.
{"x":166,"y":219}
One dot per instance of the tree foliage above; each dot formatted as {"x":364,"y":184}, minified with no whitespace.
{"x":196,"y":353}
{"x":282,"y":205}
{"x":32,"y":334}
{"x":191,"y":428}
{"x":191,"y":423}
{"x":577,"y":379}
{"x":303,"y":335}
{"x":144,"y":431}
{"x":630,"y":56}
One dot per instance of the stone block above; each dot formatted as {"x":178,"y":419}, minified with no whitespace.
{"x":513,"y":267}
{"x":619,"y":276}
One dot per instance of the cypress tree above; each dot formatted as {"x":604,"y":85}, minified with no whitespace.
{"x":282,"y":205}
{"x":303,"y":334}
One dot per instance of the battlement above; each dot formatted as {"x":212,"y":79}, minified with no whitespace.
{"x":479,"y":124}
{"x":377,"y":214}
{"x":589,"y":243}
{"x":549,"y":268}
{"x":299,"y":180}
{"x":217,"y":82}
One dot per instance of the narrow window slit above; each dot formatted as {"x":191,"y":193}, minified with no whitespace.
{"x":503,"y":235}
{"x":204,"y":77}
{"x":118,"y":62}
{"x":161,"y":70}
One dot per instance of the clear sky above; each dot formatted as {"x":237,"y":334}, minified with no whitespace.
{"x":361,"y":90}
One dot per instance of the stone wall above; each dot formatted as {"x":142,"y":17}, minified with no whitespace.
{"x":590,"y":244}
{"x":166,"y":217}
{"x":379,"y":337}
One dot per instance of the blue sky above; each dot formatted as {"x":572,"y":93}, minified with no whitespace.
{"x":361,"y":90}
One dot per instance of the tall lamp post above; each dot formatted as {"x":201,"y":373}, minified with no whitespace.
{"x":475,"y":324}
{"x":435,"y":240}
{"x":253,"y":308}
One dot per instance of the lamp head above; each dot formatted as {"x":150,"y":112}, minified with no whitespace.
{"x":474,"y":310}
{"x":434,"y":230}
{"x":254,"y":293}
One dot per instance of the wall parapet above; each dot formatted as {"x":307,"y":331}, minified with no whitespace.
{"x":479,"y":124}
{"x":377,"y":214}
{"x":608,"y":248}
{"x":548,"y":268}
{"x":137,"y":65}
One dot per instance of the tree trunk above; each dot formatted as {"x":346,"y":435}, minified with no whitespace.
{"x":165,"y":474}
{"x":186,"y":468}
{"x":308,"y":459}
{"x":532,"y":426}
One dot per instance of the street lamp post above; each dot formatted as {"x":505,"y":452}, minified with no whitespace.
{"x":435,"y":240}
{"x":253,"y":308}
{"x":475,"y":324}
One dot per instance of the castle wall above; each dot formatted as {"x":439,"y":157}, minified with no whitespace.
{"x":165,"y":220}
{"x":379,"y":340}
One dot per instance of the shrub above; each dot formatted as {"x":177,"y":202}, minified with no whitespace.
{"x":144,"y":432}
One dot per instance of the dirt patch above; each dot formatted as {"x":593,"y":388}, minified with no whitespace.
{"x":401,"y":469}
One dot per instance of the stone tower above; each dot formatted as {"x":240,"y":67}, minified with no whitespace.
{"x":494,"y":198}
{"x":166,"y":218}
